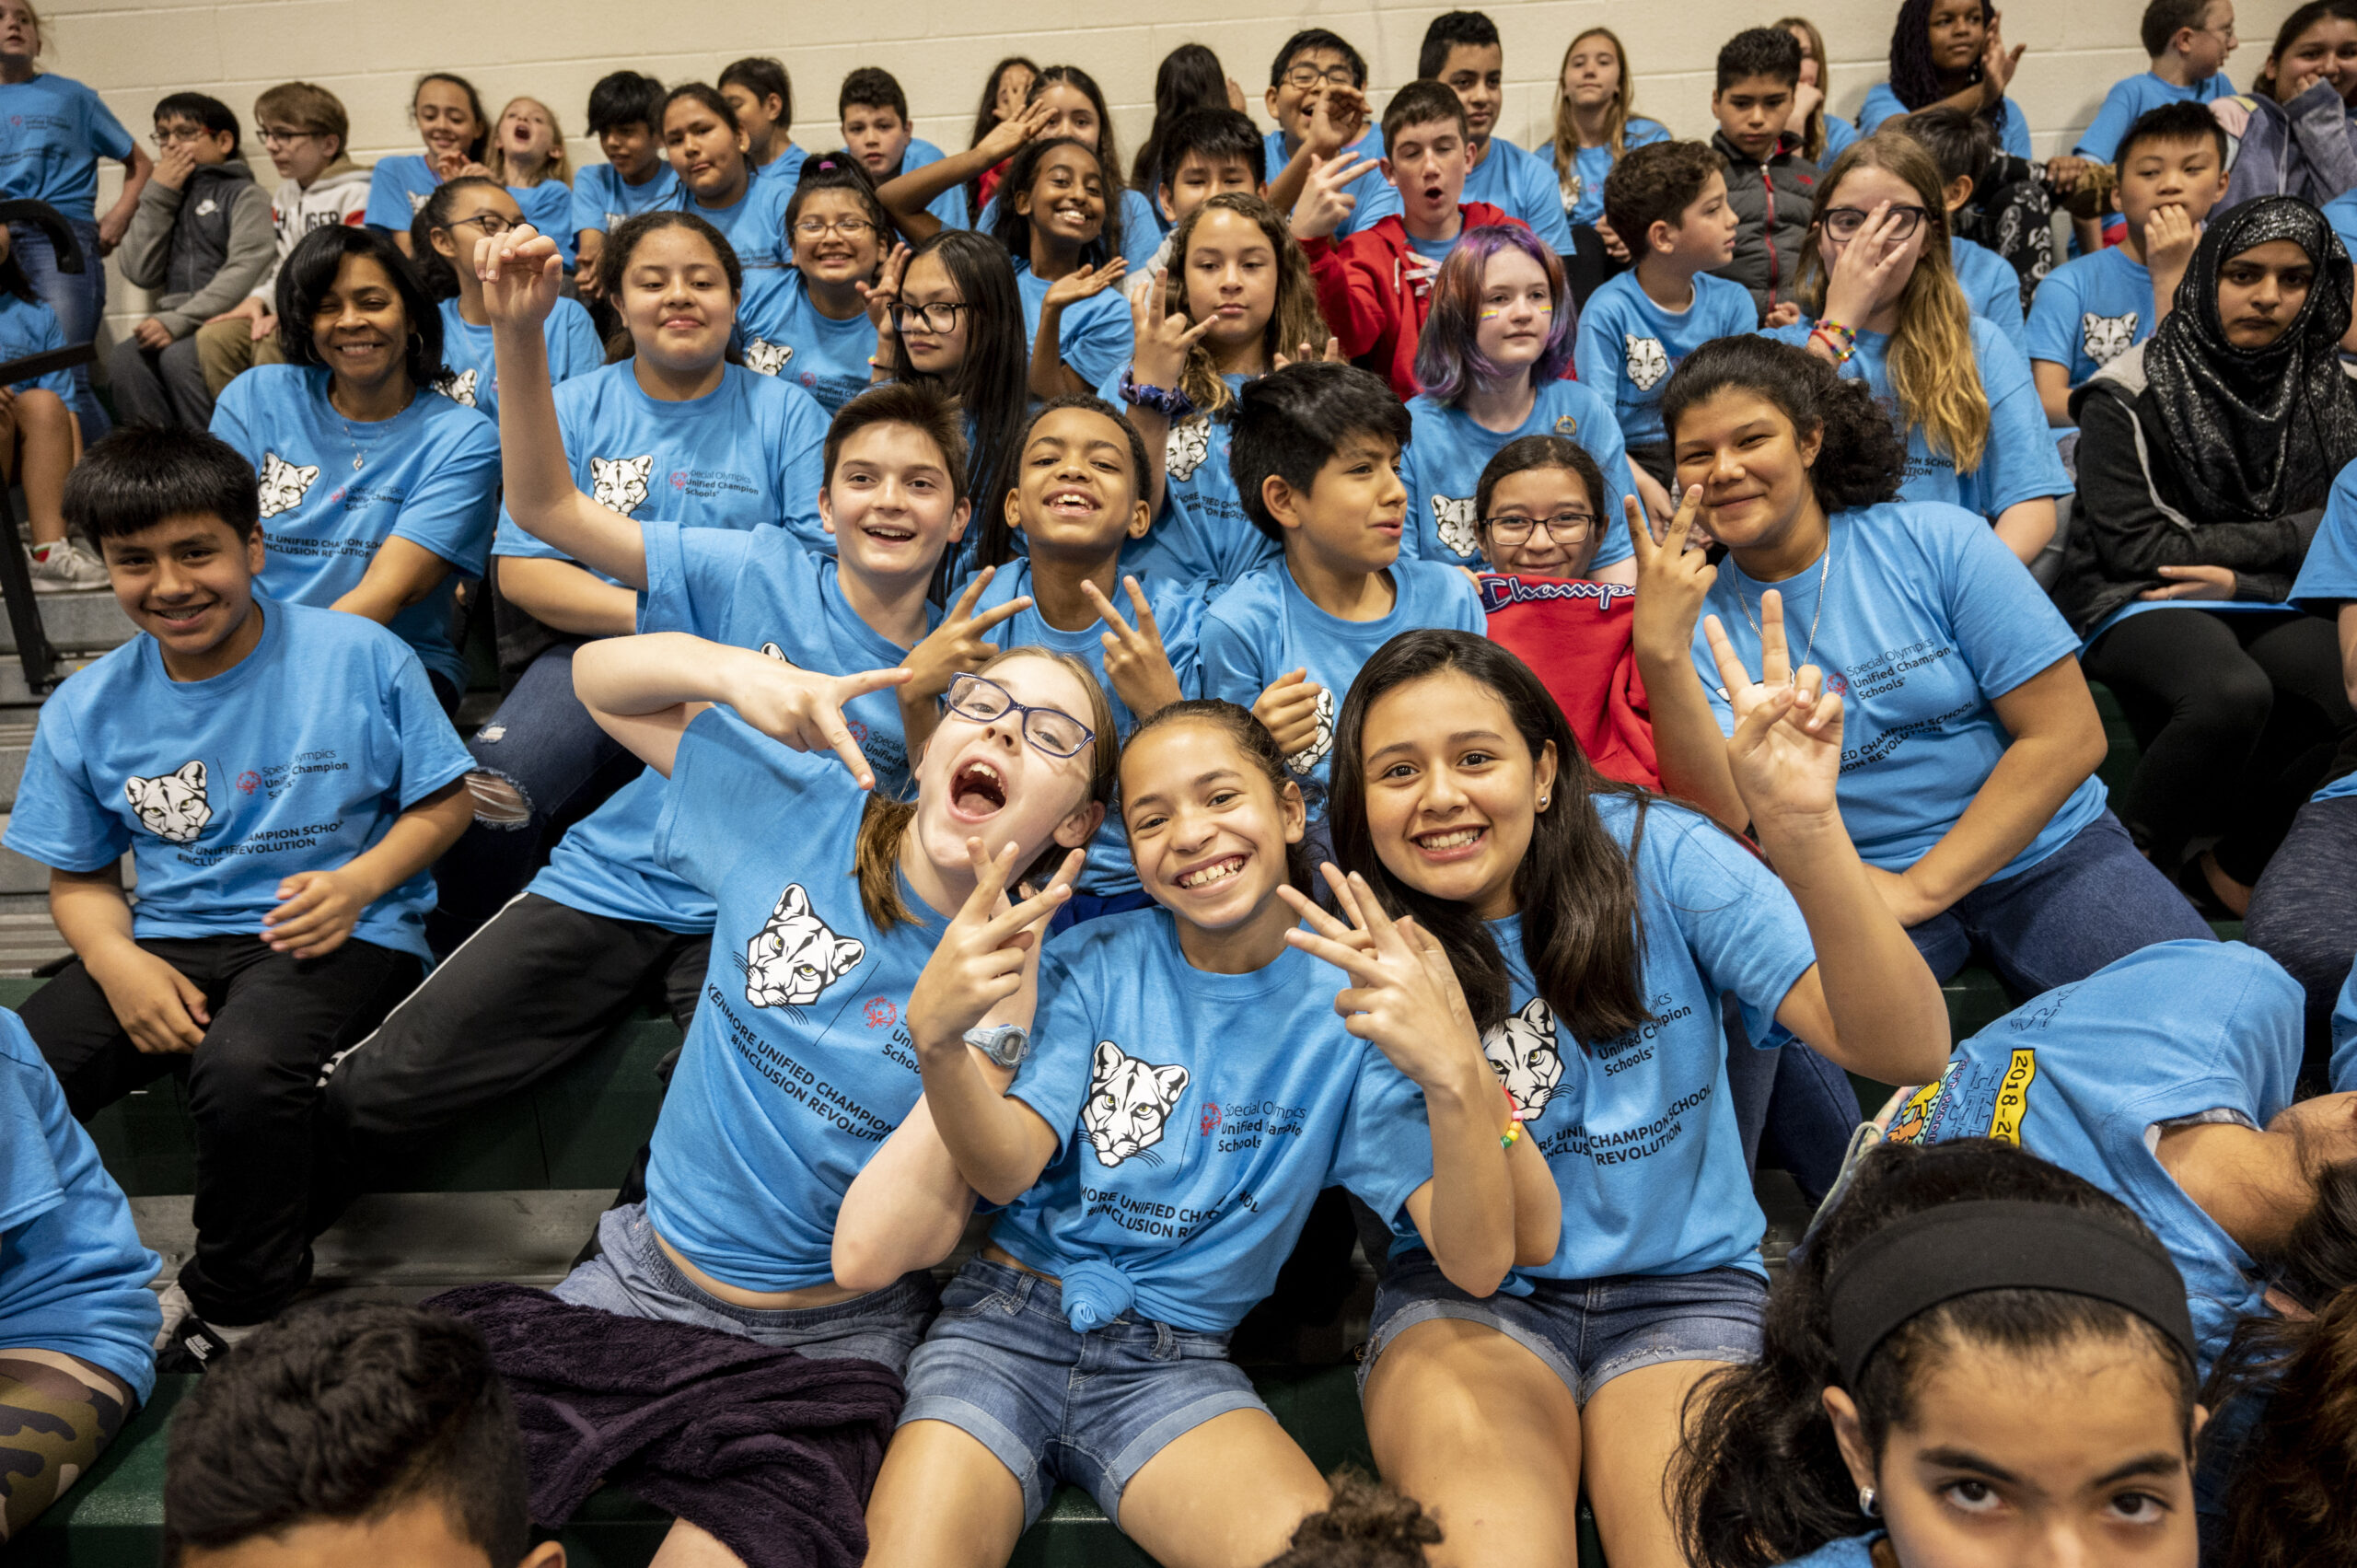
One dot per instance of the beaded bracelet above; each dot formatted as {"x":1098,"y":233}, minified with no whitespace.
{"x":1513,"y":1134}
{"x":1827,"y":324}
{"x":1841,"y":351}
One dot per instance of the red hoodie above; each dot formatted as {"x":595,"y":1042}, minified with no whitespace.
{"x":1362,"y":287}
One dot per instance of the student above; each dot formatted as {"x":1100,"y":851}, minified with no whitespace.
{"x":1669,"y":201}
{"x":1978,"y":1359}
{"x":449,"y":118}
{"x":282,"y":778}
{"x":1204,"y":153}
{"x":75,"y":1312}
{"x":271,"y":1463}
{"x":813,"y":327}
{"x":56,"y":130}
{"x":1823,"y":137}
{"x":2095,"y":307}
{"x":1949,"y":53}
{"x":527,"y":155}
{"x":1461,"y":796}
{"x":1189,"y":78}
{"x":626,"y":116}
{"x":1969,"y":785}
{"x":375,"y":489}
{"x":1007,"y":90}
{"x":719,"y":183}
{"x":2291,"y":131}
{"x":1315,"y":453}
{"x":1238,"y":277}
{"x":2281,"y":1501}
{"x":198,"y":239}
{"x":460,"y":214}
{"x":1461,"y":52}
{"x":1962,"y":147}
{"x":1541,"y":505}
{"x":1769,"y":184}
{"x":1075,"y":107}
{"x":38,"y":442}
{"x":1375,"y":285}
{"x":876,"y":131}
{"x":760,"y":92}
{"x":303,"y":129}
{"x":1087,"y":1343}
{"x":1317,"y":96}
{"x":1056,"y":221}
{"x":2189,"y":41}
{"x":1491,"y":361}
{"x":1880,"y":302}
{"x":746,"y":450}
{"x":1596,"y":124}
{"x":2200,"y":453}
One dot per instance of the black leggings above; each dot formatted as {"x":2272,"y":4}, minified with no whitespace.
{"x":2238,"y":716}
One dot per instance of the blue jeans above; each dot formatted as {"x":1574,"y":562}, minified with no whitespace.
{"x":1793,"y":1109}
{"x":2091,"y":903}
{"x":79,"y":299}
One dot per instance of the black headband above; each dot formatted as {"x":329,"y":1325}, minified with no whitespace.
{"x":1934,"y":1257}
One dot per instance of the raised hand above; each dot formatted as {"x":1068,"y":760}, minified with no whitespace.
{"x":805,"y":709}
{"x":1338,"y":116}
{"x":1326,"y":201}
{"x":1403,"y":996}
{"x":1083,"y":282}
{"x":1998,"y":66}
{"x":1786,"y":753}
{"x":981,"y":958}
{"x":882,"y":295}
{"x":1332,"y":354}
{"x":522,"y":271}
{"x":958,"y":645}
{"x":1867,"y":272}
{"x":1289,"y":710}
{"x":1163,"y":335}
{"x":1672,"y":579}
{"x":1016,"y":128}
{"x":1135,"y":661}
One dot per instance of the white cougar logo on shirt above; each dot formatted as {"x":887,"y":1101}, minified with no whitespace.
{"x":1305,"y":761}
{"x":2106,"y":338}
{"x":794,"y":958}
{"x":767,"y":358}
{"x":1523,"y":1054}
{"x":459,"y":385}
{"x":171,"y":806}
{"x":1189,"y":444}
{"x":1453,"y":516}
{"x":1648,"y":361}
{"x":1129,"y":1099}
{"x":282,"y":483}
{"x":619,"y":484}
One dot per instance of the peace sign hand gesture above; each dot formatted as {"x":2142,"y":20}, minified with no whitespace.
{"x":521,"y":271}
{"x":956,"y":644}
{"x":885,"y":292}
{"x":1786,"y":753}
{"x":1403,"y":996}
{"x":1163,"y":335}
{"x":1135,"y":661}
{"x":984,"y":953}
{"x":1672,"y":579}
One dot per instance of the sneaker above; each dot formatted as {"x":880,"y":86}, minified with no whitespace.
{"x":196,"y":1346}
{"x":66,"y":567}
{"x":178,"y":1310}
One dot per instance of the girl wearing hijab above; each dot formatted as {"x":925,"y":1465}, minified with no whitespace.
{"x":2205,"y":456}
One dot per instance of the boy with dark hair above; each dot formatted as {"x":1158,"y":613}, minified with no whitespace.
{"x":198,"y":239}
{"x":760,"y":92}
{"x":626,"y":116}
{"x":1668,"y":202}
{"x":876,"y":131}
{"x":1964,"y":145}
{"x":1374,"y":287}
{"x":1461,"y":52}
{"x":1205,"y":152}
{"x":1317,"y":96}
{"x":357,"y":1432}
{"x":1771,"y":185}
{"x":1315,"y":455}
{"x":283,"y":776}
{"x":2172,"y":170}
{"x":2189,"y":41}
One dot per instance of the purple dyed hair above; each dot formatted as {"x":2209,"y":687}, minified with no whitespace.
{"x":1448,"y":359}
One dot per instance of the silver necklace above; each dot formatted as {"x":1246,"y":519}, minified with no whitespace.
{"x":1824,"y":574}
{"x":357,"y":460}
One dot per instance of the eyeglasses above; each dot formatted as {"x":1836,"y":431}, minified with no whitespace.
{"x":1843,"y":222}
{"x":941,"y":316}
{"x":278,"y":137}
{"x":984,"y":701}
{"x":490,"y":223}
{"x":850,"y":228}
{"x":1308,"y":76}
{"x":181,"y":134}
{"x":1563,"y":528}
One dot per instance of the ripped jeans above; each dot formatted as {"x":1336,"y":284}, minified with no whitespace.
{"x":535,"y":759}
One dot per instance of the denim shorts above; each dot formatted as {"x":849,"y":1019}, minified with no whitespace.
{"x":1004,"y":1366}
{"x":631,"y":1278}
{"x":1587,"y":1331}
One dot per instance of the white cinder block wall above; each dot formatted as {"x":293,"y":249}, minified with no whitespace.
{"x":369,"y":52}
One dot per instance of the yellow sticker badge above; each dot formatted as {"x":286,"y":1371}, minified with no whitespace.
{"x":2012,"y":1098}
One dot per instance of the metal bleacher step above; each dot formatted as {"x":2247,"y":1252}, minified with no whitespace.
{"x":19,"y":876}
{"x":87,"y":622}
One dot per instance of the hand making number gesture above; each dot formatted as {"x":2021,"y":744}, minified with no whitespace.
{"x":1135,"y":661}
{"x":1786,"y":752}
{"x":1673,"y":579}
{"x":1403,"y":996}
{"x":985,"y":950}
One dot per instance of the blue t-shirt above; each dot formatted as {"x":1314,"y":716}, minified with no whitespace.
{"x":1265,"y":626}
{"x":548,"y":206}
{"x":1991,"y":288}
{"x":1094,"y":337}
{"x":797,"y":1064}
{"x":1177,"y":614}
{"x":72,"y":1273}
{"x":601,"y":198}
{"x":2341,"y":214}
{"x":2327,"y":576}
{"x":2090,"y":310}
{"x":1845,"y":1552}
{"x":754,"y":225}
{"x":786,"y":337}
{"x":1202,"y":1113}
{"x":1375,"y":196}
{"x":1431,"y":249}
{"x":573,"y":349}
{"x":1141,"y":230}
{"x":1628,"y":345}
{"x":398,"y":187}
{"x":333,"y":491}
{"x":28,"y":327}
{"x":1201,"y":534}
{"x":1446,"y":451}
{"x":2013,"y":127}
{"x":1638,"y":1129}
{"x":297,"y":758}
{"x":1585,"y":190}
{"x":749,"y":590}
{"x":2130,"y":96}
{"x":746,"y":453}
{"x":1926,"y":620}
{"x":1523,"y":186}
{"x":1840,"y":134}
{"x":2018,"y":461}
{"x":52,"y":132}
{"x":949,"y":207}
{"x":2080,"y":1076}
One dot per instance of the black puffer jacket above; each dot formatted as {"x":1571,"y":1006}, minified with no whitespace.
{"x":1771,"y":201}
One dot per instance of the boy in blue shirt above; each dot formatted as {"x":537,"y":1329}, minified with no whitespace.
{"x":1964,"y":145}
{"x":2172,"y":170}
{"x":1668,"y":202}
{"x":1315,"y":456}
{"x":1461,"y":52}
{"x":2189,"y":41}
{"x":875,"y":114}
{"x":626,"y":116}
{"x":283,"y":776}
{"x":1317,"y":96}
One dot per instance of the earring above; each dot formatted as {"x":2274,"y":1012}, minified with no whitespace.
{"x":1542,"y":803}
{"x":1868,"y":1503}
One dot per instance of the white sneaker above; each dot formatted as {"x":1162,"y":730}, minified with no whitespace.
{"x":67,"y":568}
{"x":178,"y":1310}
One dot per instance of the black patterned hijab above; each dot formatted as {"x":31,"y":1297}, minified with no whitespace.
{"x":2253,"y":434}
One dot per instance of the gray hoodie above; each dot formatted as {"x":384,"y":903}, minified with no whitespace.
{"x":199,"y":249}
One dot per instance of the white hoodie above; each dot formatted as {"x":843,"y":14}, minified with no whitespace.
{"x":338,"y":196}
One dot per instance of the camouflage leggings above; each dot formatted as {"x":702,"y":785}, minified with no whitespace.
{"x":57,"y":1414}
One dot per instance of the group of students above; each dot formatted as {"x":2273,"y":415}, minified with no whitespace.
{"x":1142,"y":699}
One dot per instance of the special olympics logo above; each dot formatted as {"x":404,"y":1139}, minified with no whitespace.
{"x":1837,"y":684}
{"x":249,"y":782}
{"x":1211,"y":1120}
{"x":858,"y":730}
{"x":881,"y":1013}
{"x":678,"y":479}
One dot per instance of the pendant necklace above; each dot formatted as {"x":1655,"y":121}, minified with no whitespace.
{"x":1824,"y":574}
